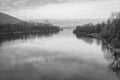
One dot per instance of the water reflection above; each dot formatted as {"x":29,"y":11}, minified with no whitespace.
{"x":89,"y":39}
{"x":86,"y":39}
{"x":110,"y":54}
{"x":57,"y":57}
{"x":114,"y":58}
{"x":24,"y":36}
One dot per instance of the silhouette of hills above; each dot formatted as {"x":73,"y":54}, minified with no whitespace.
{"x":7,"y":19}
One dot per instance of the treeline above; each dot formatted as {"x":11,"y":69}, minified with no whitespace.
{"x":109,"y":30}
{"x":25,"y":27}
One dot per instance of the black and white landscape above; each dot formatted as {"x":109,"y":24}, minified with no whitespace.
{"x":59,"y":40}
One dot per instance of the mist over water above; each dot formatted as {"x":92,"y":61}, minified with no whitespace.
{"x":59,"y":56}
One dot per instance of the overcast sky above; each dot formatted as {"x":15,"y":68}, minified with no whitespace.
{"x":60,"y":9}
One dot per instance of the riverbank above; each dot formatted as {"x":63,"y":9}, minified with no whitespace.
{"x":107,"y":31}
{"x":98,"y":36}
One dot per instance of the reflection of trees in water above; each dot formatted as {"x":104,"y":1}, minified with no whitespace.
{"x":88,"y":39}
{"x":115,"y":63}
{"x":110,"y":53}
{"x":113,"y":57}
{"x":24,"y":36}
{"x":85,"y":38}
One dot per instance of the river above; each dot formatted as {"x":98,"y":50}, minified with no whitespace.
{"x":60,"y":56}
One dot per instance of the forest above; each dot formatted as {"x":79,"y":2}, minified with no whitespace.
{"x":25,"y":27}
{"x":109,"y":30}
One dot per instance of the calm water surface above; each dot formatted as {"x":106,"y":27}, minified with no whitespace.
{"x":61,"y":56}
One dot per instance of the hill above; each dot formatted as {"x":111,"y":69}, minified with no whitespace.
{"x":7,"y":19}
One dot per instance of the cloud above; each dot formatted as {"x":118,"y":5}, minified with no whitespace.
{"x":71,"y":10}
{"x":59,"y":8}
{"x":17,"y":4}
{"x":22,"y":4}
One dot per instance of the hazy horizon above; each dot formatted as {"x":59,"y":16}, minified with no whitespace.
{"x":58,"y":22}
{"x":72,"y":22}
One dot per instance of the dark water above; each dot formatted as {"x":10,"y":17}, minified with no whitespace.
{"x":61,"y":56}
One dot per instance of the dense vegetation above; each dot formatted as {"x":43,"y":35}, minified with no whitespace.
{"x":109,"y":30}
{"x":25,"y":27}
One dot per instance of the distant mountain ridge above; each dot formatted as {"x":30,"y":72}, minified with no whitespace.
{"x":70,"y":22}
{"x":76,"y":22}
{"x":7,"y":19}
{"x":40,"y":21}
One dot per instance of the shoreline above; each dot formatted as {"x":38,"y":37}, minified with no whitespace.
{"x":97,"y":36}
{"x":30,"y":32}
